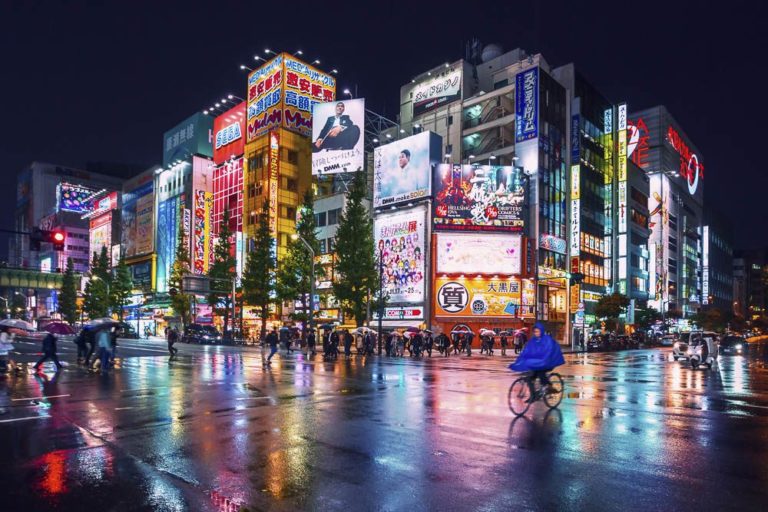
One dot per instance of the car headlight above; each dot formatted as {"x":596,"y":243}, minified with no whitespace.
{"x":738,"y":346}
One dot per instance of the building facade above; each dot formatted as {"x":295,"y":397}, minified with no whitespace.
{"x":717,"y":261}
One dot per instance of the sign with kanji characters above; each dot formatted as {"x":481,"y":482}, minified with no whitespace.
{"x":229,"y":134}
{"x":480,"y":296}
{"x":479,"y":253}
{"x":274,"y":181}
{"x":478,"y":198}
{"x":193,"y":136}
{"x":437,"y":91}
{"x":283,"y":92}
{"x":527,"y":105}
{"x":399,"y":240}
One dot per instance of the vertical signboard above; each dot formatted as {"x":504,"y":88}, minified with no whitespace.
{"x":274,"y":177}
{"x":201,"y":231}
{"x":264,"y":109}
{"x":527,"y":105}
{"x":305,"y":86}
{"x":575,"y":210}
{"x":622,"y":206}
{"x":400,"y":241}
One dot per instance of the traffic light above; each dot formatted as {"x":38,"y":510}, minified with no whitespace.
{"x":55,"y":237}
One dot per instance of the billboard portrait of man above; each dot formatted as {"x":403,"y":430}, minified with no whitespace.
{"x":339,"y":132}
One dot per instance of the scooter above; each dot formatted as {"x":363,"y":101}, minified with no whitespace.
{"x":702,"y":350}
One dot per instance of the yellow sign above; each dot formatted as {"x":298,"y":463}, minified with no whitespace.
{"x":480,"y":297}
{"x":575,"y":182}
{"x":274,"y":177}
{"x":574,"y":301}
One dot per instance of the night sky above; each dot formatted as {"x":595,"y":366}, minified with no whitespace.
{"x":90,"y":81}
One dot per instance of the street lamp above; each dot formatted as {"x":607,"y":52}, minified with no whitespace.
{"x":311,"y":319}
{"x":348,"y":93}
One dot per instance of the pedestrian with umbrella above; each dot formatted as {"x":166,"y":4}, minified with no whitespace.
{"x":503,"y":341}
{"x":347,"y":343}
{"x":6,"y":345}
{"x":311,"y":343}
{"x":104,"y":343}
{"x":49,"y":352}
{"x":428,"y":342}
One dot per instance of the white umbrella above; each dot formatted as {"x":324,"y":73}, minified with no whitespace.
{"x":17,"y":324}
{"x":102,"y":322}
{"x":363,"y":330}
{"x":487,"y":332}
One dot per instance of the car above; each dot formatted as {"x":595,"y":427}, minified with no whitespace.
{"x":201,"y":334}
{"x":680,"y":346}
{"x":734,"y":345}
{"x":667,"y":340}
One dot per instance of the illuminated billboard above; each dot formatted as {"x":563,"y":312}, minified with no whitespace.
{"x":201,"y":231}
{"x":74,"y":198}
{"x":469,"y":253}
{"x":401,"y":169}
{"x":229,"y":134}
{"x":478,"y":198}
{"x":169,"y":218}
{"x":283,"y":92}
{"x":100,"y":234}
{"x":399,"y":238}
{"x":337,"y":137}
{"x":483,"y":297}
{"x":527,"y":105}
{"x":436,"y":92}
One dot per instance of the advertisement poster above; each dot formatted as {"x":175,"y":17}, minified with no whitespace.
{"x":482,"y":297}
{"x":478,"y":198}
{"x":305,"y":87}
{"x":167,"y":238}
{"x":437,"y":91}
{"x":190,"y":137}
{"x":399,"y":239}
{"x":467,"y":253}
{"x":137,"y":221}
{"x":229,"y":134}
{"x":100,"y":234}
{"x":264,"y":110}
{"x":73,"y":198}
{"x":402,"y":170}
{"x":337,"y":137}
{"x":201,"y":231}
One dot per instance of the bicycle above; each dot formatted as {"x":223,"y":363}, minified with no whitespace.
{"x":525,"y":390}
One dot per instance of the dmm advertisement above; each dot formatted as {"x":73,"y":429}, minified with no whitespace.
{"x":478,"y":198}
{"x":401,"y":169}
{"x":469,"y":253}
{"x":399,"y":238}
{"x":337,"y":137}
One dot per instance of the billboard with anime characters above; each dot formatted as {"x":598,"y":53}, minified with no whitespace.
{"x":399,"y":238}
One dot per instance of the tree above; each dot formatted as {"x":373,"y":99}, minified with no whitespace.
{"x":356,"y":266}
{"x":180,"y":302}
{"x":122,"y":287}
{"x":610,"y":307}
{"x":712,"y":319}
{"x":222,"y":272}
{"x":18,"y":306}
{"x":259,"y":271}
{"x":646,"y":316}
{"x":68,"y":294}
{"x":293,"y":277}
{"x":95,"y":296}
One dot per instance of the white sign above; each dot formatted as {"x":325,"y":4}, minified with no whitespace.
{"x":437,"y":91}
{"x":622,"y":117}
{"x":228,"y":135}
{"x":337,"y":137}
{"x":402,"y":171}
{"x":452,"y":297}
{"x":575,"y":227}
{"x":469,"y":253}
{"x":623,"y":207}
{"x":406,"y":313}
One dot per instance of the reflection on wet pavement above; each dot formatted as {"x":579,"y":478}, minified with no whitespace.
{"x":217,"y":431}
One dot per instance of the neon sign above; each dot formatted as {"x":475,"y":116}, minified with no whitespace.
{"x":690,"y":167}
{"x":639,"y":142}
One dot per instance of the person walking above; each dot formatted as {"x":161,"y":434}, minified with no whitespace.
{"x":49,"y":352}
{"x":491,"y":341}
{"x":82,"y":349}
{"x":272,"y":341}
{"x":400,"y":346}
{"x":428,"y":342}
{"x":90,"y":339}
{"x":311,"y":343}
{"x":388,"y":345}
{"x":104,"y":343}
{"x":503,"y":341}
{"x":348,"y":340}
{"x":469,"y":337}
{"x":335,"y":339}
{"x":6,"y":345}
{"x":456,"y":341}
{"x":172,"y":336}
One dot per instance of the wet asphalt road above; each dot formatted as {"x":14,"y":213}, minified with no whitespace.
{"x":636,"y":431}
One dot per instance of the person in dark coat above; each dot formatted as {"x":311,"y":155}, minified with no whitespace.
{"x":172,"y":337}
{"x":90,"y":339}
{"x":311,"y":343}
{"x":82,"y":349}
{"x":469,"y":337}
{"x":49,"y":352}
{"x":388,"y":345}
{"x":417,"y":340}
{"x":428,"y":342}
{"x":335,"y":345}
{"x":503,"y":341}
{"x":272,"y":341}
{"x":456,"y":342}
{"x":348,"y":343}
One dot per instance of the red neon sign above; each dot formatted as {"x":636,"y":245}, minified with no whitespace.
{"x":690,"y":167}
{"x":639,"y":142}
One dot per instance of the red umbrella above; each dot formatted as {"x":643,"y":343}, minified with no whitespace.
{"x":413,"y":330}
{"x":59,"y":328}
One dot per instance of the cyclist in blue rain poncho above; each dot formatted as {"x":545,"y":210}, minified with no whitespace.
{"x":540,"y":355}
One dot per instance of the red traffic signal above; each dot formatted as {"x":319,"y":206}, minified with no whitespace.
{"x":38,"y":236}
{"x":57,"y":238}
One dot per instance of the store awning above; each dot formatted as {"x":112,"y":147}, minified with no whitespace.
{"x":397,"y":324}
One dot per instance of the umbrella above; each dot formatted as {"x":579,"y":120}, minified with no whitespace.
{"x":427,"y":331}
{"x":461,"y":330}
{"x":487,"y":332}
{"x":363,"y":330}
{"x":17,"y":324}
{"x":412,"y":330}
{"x":101,"y":322}
{"x":59,"y":328}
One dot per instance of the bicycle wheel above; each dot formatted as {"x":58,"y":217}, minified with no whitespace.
{"x":519,"y":396}
{"x":554,"y":395}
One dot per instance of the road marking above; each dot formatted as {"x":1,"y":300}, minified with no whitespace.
{"x":38,"y":397}
{"x":24,"y":419}
{"x":122,"y":408}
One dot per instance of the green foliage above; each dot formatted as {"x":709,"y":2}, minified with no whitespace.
{"x":610,"y":307}
{"x":122,"y":287}
{"x":222,"y":271}
{"x":295,"y":269}
{"x":68,"y":294}
{"x":356,"y":266}
{"x":646,"y":316}
{"x":259,"y":271}
{"x":18,"y":306}
{"x":712,"y":319}
{"x":96,"y":297}
{"x":180,"y":302}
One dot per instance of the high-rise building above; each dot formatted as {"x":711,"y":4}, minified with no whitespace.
{"x":657,"y":144}
{"x":750,"y":297}
{"x":717,"y":261}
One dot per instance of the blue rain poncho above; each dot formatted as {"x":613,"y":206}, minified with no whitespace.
{"x":542,"y":353}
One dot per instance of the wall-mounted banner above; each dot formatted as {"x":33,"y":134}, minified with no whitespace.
{"x":478,"y":198}
{"x":484,"y":297}
{"x":469,"y":253}
{"x":337,"y":137}
{"x":552,"y":243}
{"x":437,"y":91}
{"x":402,"y":169}
{"x":399,"y":239}
{"x":527,"y":105}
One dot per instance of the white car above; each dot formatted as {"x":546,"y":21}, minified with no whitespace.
{"x":667,"y":340}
